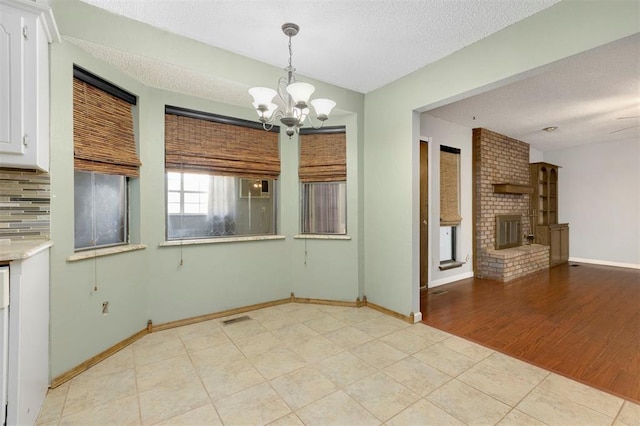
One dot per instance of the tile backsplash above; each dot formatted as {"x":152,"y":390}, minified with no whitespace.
{"x":24,"y":204}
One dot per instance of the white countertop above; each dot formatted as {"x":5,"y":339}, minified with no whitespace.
{"x":23,"y":249}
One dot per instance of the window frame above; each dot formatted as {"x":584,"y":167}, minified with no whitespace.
{"x":125,"y":218}
{"x":302,"y":208}
{"x":235,"y":193}
{"x":454,"y":242}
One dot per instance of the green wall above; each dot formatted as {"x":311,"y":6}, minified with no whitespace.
{"x":392,"y":136}
{"x":151,"y":283}
{"x":78,"y":328}
{"x":382,"y":192}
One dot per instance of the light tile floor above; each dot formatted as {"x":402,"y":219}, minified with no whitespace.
{"x":299,"y":364}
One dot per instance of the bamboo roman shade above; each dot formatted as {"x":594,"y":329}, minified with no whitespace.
{"x":219,"y":148}
{"x":323,"y":156}
{"x":103,"y":138}
{"x":449,"y":187}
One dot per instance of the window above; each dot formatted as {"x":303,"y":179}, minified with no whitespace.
{"x":447,"y":244}
{"x":188,"y":193}
{"x":100,"y":210}
{"x":450,"y":217}
{"x":105,"y":158}
{"x":207,"y":206}
{"x":323,"y":174}
{"x":221,"y":176}
{"x":324,"y":208}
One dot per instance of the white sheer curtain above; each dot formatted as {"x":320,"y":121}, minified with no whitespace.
{"x":223,"y":196}
{"x":324,"y":208}
{"x":223,"y":205}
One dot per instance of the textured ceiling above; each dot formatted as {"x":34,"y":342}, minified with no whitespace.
{"x":355,"y":44}
{"x":362,"y":45}
{"x":585,"y":96}
{"x":162,"y":75}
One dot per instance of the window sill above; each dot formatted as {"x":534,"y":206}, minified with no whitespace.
{"x":90,"y":254}
{"x":321,"y":237}
{"x":174,"y":243}
{"x":450,"y":265}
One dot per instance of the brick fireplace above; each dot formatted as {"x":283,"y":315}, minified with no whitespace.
{"x":502,"y":161}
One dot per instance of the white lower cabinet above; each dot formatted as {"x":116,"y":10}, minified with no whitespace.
{"x":28,"y":349}
{"x":4,"y":340}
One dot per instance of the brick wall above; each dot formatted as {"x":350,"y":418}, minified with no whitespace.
{"x":24,"y":204}
{"x":500,"y":159}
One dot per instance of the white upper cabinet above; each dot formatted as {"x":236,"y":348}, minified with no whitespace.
{"x":26,"y":28}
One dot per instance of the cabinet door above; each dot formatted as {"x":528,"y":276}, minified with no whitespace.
{"x":11,"y":81}
{"x":555,"y":237}
{"x":28,"y":377}
{"x":564,"y":244}
{"x":552,"y":200}
{"x":24,"y":88}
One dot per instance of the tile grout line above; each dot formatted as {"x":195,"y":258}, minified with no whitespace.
{"x":135,"y":378}
{"x":292,"y":411}
{"x":534,"y":386}
{"x":456,"y":377}
{"x":307,"y":364}
{"x":66,"y":395}
{"x":580,"y":403}
{"x":515,"y":406}
{"x":195,"y":369}
{"x":378,"y":370}
{"x":64,"y":403}
{"x":267,"y":381}
{"x":617,"y":416}
{"x":341,"y":388}
{"x":445,"y":383}
{"x":231,"y":341}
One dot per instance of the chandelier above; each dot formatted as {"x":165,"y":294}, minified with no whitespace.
{"x":293,"y":96}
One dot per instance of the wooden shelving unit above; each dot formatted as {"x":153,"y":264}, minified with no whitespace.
{"x":544,"y":205}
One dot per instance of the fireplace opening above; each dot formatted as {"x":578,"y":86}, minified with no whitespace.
{"x":508,"y":231}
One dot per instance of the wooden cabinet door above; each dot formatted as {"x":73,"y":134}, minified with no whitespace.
{"x":555,"y":239}
{"x":564,"y":244}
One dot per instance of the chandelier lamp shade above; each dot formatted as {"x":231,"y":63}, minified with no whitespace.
{"x":290,"y":102}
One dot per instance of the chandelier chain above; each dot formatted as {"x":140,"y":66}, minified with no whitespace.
{"x":290,"y":53}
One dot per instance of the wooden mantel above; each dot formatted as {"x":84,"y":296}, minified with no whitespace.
{"x":512,"y":188}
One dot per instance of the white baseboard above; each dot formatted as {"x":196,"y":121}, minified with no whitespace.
{"x":417,"y":317}
{"x":605,"y":263}
{"x":447,"y":280}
